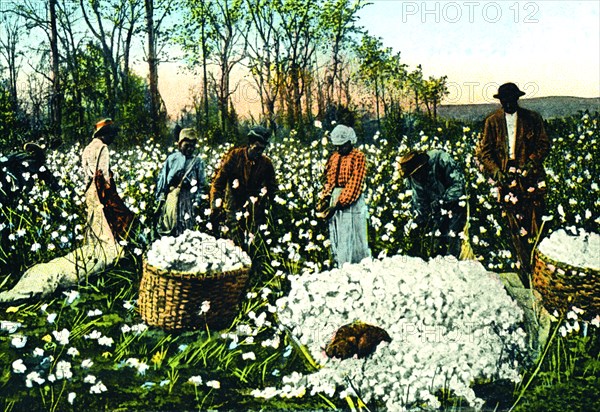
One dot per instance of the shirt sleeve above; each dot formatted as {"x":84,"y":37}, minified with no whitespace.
{"x":452,"y":178}
{"x":103,"y":161}
{"x":542,"y":143}
{"x":485,"y":148}
{"x":161,"y":184}
{"x":354,"y":186}
{"x":271,"y":180}
{"x":219,"y":183}
{"x":329,"y":176}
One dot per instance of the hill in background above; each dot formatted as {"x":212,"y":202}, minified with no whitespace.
{"x":548,"y":107}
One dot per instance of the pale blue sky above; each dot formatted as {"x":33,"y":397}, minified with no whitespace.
{"x":546,"y":47}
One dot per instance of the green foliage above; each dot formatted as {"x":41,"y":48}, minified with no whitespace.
{"x":12,"y":126}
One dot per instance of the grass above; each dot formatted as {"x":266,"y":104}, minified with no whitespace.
{"x":143,"y":367}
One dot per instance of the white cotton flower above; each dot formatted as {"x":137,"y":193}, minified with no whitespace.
{"x":72,"y":351}
{"x":98,"y":388}
{"x":18,"y":366}
{"x":18,"y":341}
{"x":205,"y":307}
{"x":62,"y":337}
{"x":63,"y":370}
{"x":94,"y":312}
{"x":94,"y":335}
{"x":71,"y":397}
{"x":10,"y":327}
{"x":87,"y":363}
{"x":213,"y":384}
{"x":33,"y":377}
{"x":195,"y":380}
{"x":249,"y":356}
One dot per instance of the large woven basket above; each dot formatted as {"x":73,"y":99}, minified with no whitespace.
{"x":172,"y":300}
{"x":563,"y":286}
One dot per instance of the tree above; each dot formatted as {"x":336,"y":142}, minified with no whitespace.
{"x":415,"y":85}
{"x":11,"y":30}
{"x":434,"y":90}
{"x":373,"y":59}
{"x":220,"y":25}
{"x":153,"y":31}
{"x":338,"y":22}
{"x":264,"y":46}
{"x":112,"y":24}
{"x":300,"y":36}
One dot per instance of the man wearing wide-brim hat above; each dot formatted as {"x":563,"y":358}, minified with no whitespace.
{"x":511,"y":151}
{"x":243,"y":187}
{"x":437,"y":184}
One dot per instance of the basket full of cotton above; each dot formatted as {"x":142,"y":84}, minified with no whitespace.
{"x":192,"y":281}
{"x":567,"y":271}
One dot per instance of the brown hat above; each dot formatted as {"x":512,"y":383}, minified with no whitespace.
{"x":412,"y":161}
{"x":104,"y":127}
{"x":508,"y":90}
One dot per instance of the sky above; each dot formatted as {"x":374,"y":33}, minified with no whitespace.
{"x":548,"y":48}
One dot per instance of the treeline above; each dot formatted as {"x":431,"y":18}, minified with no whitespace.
{"x":66,"y":63}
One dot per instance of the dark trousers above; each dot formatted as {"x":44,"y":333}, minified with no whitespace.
{"x":524,"y":222}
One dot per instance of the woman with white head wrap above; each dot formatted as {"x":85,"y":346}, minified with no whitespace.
{"x":346,"y":209}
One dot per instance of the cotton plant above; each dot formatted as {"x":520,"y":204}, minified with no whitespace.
{"x":450,"y":322}
{"x":197,"y":252}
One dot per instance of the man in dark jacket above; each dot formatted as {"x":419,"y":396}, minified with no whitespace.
{"x":438,"y":193}
{"x":20,"y":171}
{"x":243,"y":186}
{"x":511,"y":151}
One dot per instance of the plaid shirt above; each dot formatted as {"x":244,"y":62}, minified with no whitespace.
{"x":350,"y":171}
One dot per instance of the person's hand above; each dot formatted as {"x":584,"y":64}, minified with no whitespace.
{"x":330,"y":212}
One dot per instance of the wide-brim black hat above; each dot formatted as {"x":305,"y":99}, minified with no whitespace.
{"x":508,"y":90}
{"x":259,"y":134}
{"x":412,"y":161}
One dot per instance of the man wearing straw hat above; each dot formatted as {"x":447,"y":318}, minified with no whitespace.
{"x":511,"y":151}
{"x":180,"y":186}
{"x":438,"y":193}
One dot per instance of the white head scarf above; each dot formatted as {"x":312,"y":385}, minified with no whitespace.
{"x":341,"y":134}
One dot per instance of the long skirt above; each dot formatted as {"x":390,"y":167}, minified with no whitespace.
{"x":348,"y":231}
{"x":97,"y":227}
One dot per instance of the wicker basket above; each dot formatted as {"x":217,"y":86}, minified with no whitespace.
{"x":172,"y":300}
{"x":563,"y":286}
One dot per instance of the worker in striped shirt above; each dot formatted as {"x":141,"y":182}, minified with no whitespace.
{"x":346,"y":210}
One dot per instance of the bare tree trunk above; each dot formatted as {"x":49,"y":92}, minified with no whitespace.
{"x":153,"y":69}
{"x":204,"y":74}
{"x":56,"y":100}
